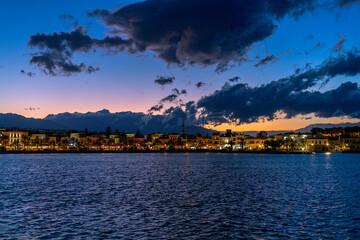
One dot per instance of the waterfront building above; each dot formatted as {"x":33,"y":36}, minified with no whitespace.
{"x":254,"y":143}
{"x":296,"y":142}
{"x":354,"y":134}
{"x":52,"y":139}
{"x":76,"y":135}
{"x":14,"y":137}
{"x":38,"y":137}
{"x":327,"y":141}
{"x":351,"y":144}
{"x":216,"y":141}
{"x":318,"y":144}
{"x":240,"y":141}
{"x":130,"y":135}
{"x":174,"y":137}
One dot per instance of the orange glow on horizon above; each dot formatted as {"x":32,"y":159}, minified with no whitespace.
{"x":283,"y":124}
{"x":280,"y":124}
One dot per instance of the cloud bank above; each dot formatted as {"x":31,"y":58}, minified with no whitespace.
{"x":57,"y":50}
{"x":292,"y":95}
{"x":164,"y":80}
{"x":180,"y":32}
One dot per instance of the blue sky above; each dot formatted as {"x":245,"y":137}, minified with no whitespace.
{"x":125,"y":82}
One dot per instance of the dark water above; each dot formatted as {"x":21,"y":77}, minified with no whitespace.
{"x":194,"y":196}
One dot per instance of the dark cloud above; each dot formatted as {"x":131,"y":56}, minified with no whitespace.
{"x":31,"y":109}
{"x":176,"y":91}
{"x":91,"y":69}
{"x":181,"y":32}
{"x":168,"y":99}
{"x":291,"y":95}
{"x":202,"y":32}
{"x":179,"y":92}
{"x":200,"y":84}
{"x":29,"y":74}
{"x":164,"y":80}
{"x":339,"y":46}
{"x":156,"y":108}
{"x":266,"y":60}
{"x":234,"y":79}
{"x":56,"y":64}
{"x":343,"y":3}
{"x":76,"y":40}
{"x":57,"y":50}
{"x":174,"y":96}
{"x":175,"y":115}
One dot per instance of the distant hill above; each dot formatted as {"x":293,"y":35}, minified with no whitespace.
{"x":270,"y":133}
{"x":325,"y":125}
{"x":98,"y":121}
{"x":125,"y":122}
{"x":14,"y":120}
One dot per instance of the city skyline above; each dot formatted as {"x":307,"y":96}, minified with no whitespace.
{"x":328,"y":140}
{"x":270,"y":47}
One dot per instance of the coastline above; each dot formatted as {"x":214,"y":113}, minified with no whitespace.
{"x":153,"y":151}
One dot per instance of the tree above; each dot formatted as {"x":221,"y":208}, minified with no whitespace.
{"x":231,"y":145}
{"x":316,"y":130}
{"x":25,"y":140}
{"x":155,"y":144}
{"x":179,"y":143}
{"x":52,"y":144}
{"x":3,"y":142}
{"x":37,"y":142}
{"x":108,"y":131}
{"x":267,"y":144}
{"x":242,"y":144}
{"x":171,"y":145}
{"x":65,"y":143}
{"x":138,"y":134}
{"x":110,"y":143}
{"x":274,"y":145}
{"x":5,"y":139}
{"x":88,"y":143}
{"x":78,"y":145}
{"x":292,"y":144}
{"x":98,"y":145}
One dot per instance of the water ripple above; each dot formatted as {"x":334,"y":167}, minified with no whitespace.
{"x":179,"y":196}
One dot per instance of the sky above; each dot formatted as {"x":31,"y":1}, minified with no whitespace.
{"x":248,"y":65}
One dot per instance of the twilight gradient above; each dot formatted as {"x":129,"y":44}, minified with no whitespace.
{"x":126,"y":82}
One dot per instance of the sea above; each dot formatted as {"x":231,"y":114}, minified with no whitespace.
{"x":179,"y":196}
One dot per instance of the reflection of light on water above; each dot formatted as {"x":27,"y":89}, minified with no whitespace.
{"x":328,"y":160}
